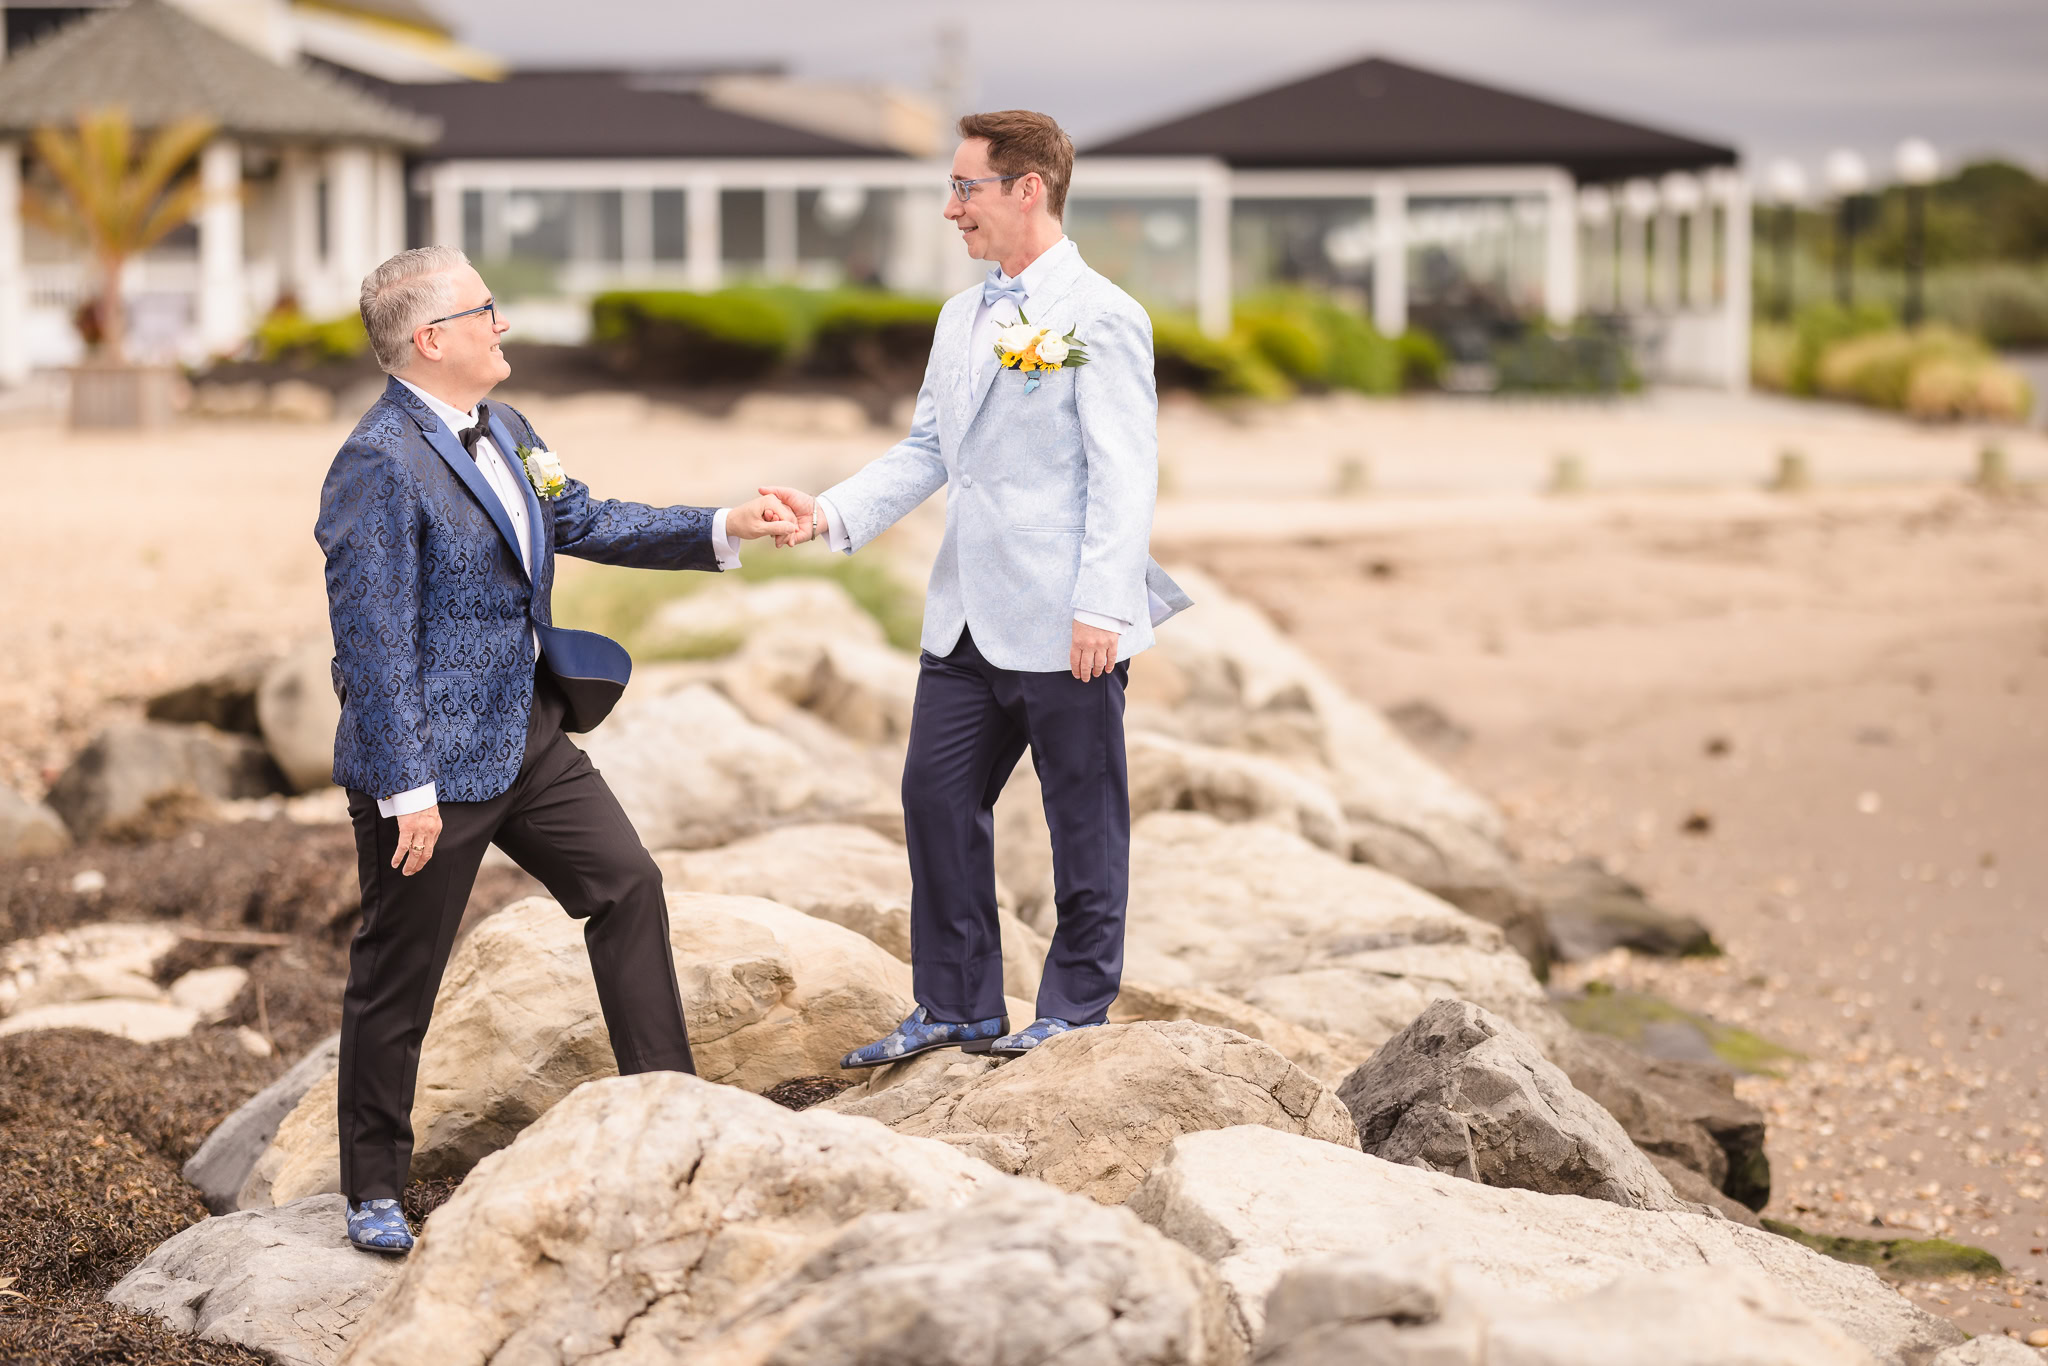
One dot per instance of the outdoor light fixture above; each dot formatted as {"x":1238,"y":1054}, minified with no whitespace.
{"x":1847,"y":177}
{"x":1787,"y":186}
{"x":1917,"y":164}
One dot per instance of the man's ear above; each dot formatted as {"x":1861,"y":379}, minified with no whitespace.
{"x":426,"y":342}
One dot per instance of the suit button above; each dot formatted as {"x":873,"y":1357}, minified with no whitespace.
{"x":966,"y":481}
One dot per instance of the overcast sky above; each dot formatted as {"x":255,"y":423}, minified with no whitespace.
{"x":1774,"y":77}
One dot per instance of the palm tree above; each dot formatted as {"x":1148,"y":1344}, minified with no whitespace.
{"x":118,"y":198}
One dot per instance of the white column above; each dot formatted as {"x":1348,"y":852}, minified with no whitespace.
{"x":1212,"y":255}
{"x":1561,"y":249}
{"x":1734,"y":201}
{"x":388,"y":239}
{"x":779,"y":230}
{"x":13,"y":280}
{"x":1664,"y":260}
{"x":703,"y":242}
{"x":223,"y":315}
{"x":351,"y":218}
{"x":636,"y":234}
{"x":1390,"y":256}
{"x":1632,"y":285}
{"x":445,"y":229}
{"x":298,"y":228}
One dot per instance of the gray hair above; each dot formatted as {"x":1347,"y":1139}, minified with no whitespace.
{"x":404,"y":292}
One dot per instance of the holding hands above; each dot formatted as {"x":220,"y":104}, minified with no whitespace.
{"x":758,"y":517}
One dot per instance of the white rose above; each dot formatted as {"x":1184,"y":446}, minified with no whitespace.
{"x":1053,"y":350}
{"x":1017,"y":336}
{"x":543,"y":467}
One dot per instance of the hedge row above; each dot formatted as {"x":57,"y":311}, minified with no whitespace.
{"x":749,"y":333}
{"x":1862,"y":355}
{"x":1282,"y":342}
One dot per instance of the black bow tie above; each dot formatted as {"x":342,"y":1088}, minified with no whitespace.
{"x":469,"y":436}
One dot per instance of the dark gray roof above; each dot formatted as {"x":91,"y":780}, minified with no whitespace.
{"x":550,"y":114}
{"x":161,"y":64}
{"x":1377,"y":113}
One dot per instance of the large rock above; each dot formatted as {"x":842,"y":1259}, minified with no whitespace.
{"x":225,"y":701}
{"x":1319,"y":1055}
{"x":283,"y":1282}
{"x":1252,"y":1200}
{"x":1176,"y":775}
{"x":1464,"y":1092}
{"x":769,"y":993}
{"x":1684,"y":1112}
{"x":693,"y":772}
{"x":1332,"y":946}
{"x":1590,"y":911}
{"x":138,"y":1021}
{"x":107,"y":959}
{"x":847,"y":874}
{"x":724,"y":614}
{"x":225,"y":1159}
{"x":659,"y":1218}
{"x":1090,"y":1111}
{"x":1340,"y":1311}
{"x":131,"y":769}
{"x":29,"y":829}
{"x":1989,"y":1350}
{"x":864,"y":689}
{"x":298,"y":711}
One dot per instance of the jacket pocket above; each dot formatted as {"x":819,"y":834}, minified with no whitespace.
{"x":1052,"y":530}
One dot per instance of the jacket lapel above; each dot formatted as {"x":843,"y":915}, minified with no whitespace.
{"x":537,"y":521}
{"x":449,"y":448}
{"x":1039,"y":308}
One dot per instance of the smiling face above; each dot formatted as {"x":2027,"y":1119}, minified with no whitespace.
{"x":464,"y":353}
{"x":997,"y":219}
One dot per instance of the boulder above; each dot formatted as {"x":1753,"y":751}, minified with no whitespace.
{"x":1590,"y":911}
{"x":656,"y":1218}
{"x":1320,"y":1055}
{"x":1089,"y":1111}
{"x":1339,"y":1311}
{"x":1989,"y":1350}
{"x":208,"y":992}
{"x":298,"y":711}
{"x":283,"y":1282}
{"x":693,"y":772}
{"x":725,"y":613}
{"x":138,"y":1021}
{"x":226,"y":701}
{"x":224,"y":1160}
{"x":29,"y":829}
{"x":769,"y":993}
{"x":1176,"y":775}
{"x":1332,"y":946}
{"x":863,"y":688}
{"x":1686,"y":1112}
{"x":1253,"y":1200}
{"x":846,"y":874}
{"x":1464,"y":1092}
{"x":131,"y":769}
{"x":1694,"y":1188}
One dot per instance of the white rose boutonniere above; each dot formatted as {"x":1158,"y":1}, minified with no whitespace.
{"x":543,"y":470}
{"x":1022,"y":346}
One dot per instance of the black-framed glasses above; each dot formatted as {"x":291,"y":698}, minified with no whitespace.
{"x":962,"y":189}
{"x":489,"y":306}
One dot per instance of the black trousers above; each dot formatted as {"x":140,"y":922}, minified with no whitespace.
{"x":969,"y":726}
{"x":560,"y":823}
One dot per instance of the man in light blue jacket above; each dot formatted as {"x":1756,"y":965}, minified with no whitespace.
{"x":1039,"y":416}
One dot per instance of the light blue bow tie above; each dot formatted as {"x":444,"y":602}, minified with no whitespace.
{"x":994,"y":289}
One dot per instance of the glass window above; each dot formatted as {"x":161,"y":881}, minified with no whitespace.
{"x":743,"y":227}
{"x":1320,"y":244}
{"x":671,"y":238}
{"x":1146,"y":245}
{"x":846,"y":231}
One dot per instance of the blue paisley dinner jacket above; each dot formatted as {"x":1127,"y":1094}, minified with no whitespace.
{"x":434,"y":617}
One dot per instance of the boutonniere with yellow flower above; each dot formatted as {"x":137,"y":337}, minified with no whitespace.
{"x":1022,"y":346}
{"x":543,"y":470}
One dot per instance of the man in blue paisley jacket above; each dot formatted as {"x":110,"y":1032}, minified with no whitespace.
{"x":441,"y":518}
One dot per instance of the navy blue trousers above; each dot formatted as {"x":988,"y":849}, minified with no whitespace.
{"x":971,"y":723}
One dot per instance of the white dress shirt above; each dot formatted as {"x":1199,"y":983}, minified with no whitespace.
{"x":989,"y":319}
{"x":509,"y":486}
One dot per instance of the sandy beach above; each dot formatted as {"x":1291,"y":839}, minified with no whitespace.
{"x":1819,"y":722}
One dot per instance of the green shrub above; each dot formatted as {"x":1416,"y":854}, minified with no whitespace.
{"x":873,"y":334}
{"x":1422,"y":359}
{"x":1586,"y":358}
{"x":736,"y":334}
{"x":1185,"y":357}
{"x":1931,"y":372}
{"x":1289,"y":340}
{"x":1823,"y":325}
{"x":292,"y":338}
{"x":2006,"y":305}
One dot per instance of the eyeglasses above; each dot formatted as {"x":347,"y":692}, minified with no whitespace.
{"x":489,"y":306}
{"x":962,"y":189}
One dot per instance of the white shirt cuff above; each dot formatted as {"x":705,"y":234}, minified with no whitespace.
{"x":727,"y":549}
{"x":1101,"y":622}
{"x":405,"y":803}
{"x":836,"y":535}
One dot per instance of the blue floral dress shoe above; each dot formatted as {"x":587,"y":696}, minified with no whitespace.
{"x":1032,"y":1035}
{"x":920,"y":1033}
{"x":379,"y":1226}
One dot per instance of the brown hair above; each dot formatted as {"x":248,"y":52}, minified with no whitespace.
{"x":1019,"y":142}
